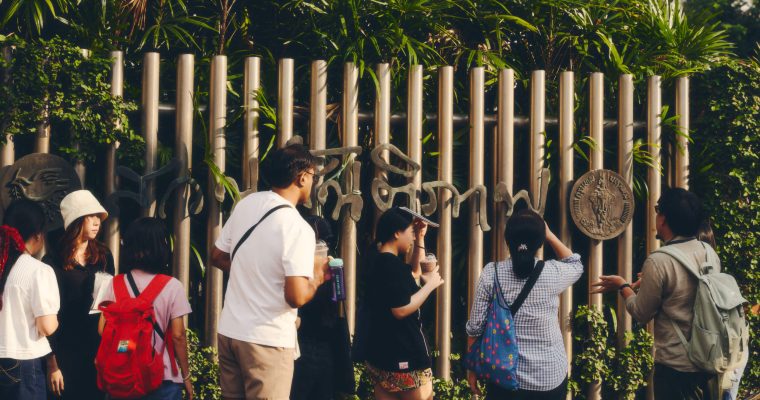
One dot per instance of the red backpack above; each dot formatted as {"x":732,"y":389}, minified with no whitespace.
{"x":127,"y":363}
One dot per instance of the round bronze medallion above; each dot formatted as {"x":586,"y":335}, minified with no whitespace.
{"x":43,"y":178}
{"x":601,"y":204}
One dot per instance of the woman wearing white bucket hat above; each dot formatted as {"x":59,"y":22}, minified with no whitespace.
{"x":79,"y":258}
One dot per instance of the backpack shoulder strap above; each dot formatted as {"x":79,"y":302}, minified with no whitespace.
{"x":155,"y":287}
{"x":249,"y":231}
{"x":150,"y":293}
{"x":120,"y":288}
{"x":498,"y":294}
{"x":527,"y":288}
{"x":680,"y":334}
{"x":681,"y":257}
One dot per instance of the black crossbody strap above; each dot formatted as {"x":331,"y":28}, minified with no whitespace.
{"x":527,"y":288}
{"x":136,"y":291}
{"x":248,"y":233}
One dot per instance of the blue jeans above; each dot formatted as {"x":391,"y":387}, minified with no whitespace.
{"x":167,"y":391}
{"x":23,"y":379}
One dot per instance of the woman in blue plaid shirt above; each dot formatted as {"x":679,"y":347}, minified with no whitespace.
{"x":542,"y":362}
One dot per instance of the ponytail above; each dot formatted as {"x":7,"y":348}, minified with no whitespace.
{"x":525,"y":233}
{"x":523,"y":261}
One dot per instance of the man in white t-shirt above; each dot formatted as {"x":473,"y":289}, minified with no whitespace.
{"x":273,"y":271}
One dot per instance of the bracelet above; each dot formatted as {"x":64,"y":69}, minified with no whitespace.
{"x":419,"y":247}
{"x":623,"y":286}
{"x":186,"y":378}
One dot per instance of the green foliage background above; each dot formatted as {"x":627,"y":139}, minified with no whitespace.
{"x":640,"y":37}
{"x":726,"y":171}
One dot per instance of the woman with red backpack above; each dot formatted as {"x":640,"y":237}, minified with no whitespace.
{"x":144,"y":300}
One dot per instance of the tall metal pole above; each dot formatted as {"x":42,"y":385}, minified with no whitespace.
{"x":251,"y":85}
{"x":113,"y":237}
{"x":596,"y":119}
{"x":350,"y":107}
{"x":625,"y":167}
{"x":654,"y":179}
{"x":184,"y":151}
{"x":682,"y":139}
{"x":505,"y":154}
{"x":151,"y":63}
{"x":382,"y":119}
{"x":318,"y":112}
{"x":42,"y":138}
{"x":318,"y":118}
{"x":8,"y":151}
{"x":285,"y":101}
{"x":537,"y":130}
{"x":566,"y":171}
{"x":446,"y":174}
{"x":414,"y":125}
{"x":477,"y":173}
{"x":537,"y":134}
{"x":217,"y":139}
{"x":42,"y":144}
{"x":654,"y":176}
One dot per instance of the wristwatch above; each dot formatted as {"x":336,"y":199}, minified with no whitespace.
{"x":623,"y":286}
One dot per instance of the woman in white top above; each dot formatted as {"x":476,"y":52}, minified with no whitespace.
{"x":30,"y":302}
{"x":542,"y":361}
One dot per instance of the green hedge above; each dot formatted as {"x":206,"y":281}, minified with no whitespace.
{"x":726,"y":174}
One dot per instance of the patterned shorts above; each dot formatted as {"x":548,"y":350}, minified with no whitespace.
{"x":394,"y":382}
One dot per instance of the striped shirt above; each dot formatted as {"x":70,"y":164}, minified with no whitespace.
{"x":542,"y":363}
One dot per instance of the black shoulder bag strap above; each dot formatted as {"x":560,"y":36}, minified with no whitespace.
{"x":248,"y":233}
{"x":136,"y":291}
{"x":527,"y":288}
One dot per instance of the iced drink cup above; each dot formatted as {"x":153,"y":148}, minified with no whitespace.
{"x":428,"y":264}
{"x":321,"y":250}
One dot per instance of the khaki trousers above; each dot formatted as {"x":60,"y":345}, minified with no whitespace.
{"x":254,"y":372}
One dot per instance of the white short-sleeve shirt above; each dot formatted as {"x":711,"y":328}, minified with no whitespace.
{"x":255,"y":309}
{"x":31,"y":291}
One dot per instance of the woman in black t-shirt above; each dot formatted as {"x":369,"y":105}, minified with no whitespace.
{"x":398,"y":359}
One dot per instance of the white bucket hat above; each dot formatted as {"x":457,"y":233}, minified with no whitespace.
{"x":80,"y":203}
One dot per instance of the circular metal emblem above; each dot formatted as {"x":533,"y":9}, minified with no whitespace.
{"x":601,"y":204}
{"x":43,"y":178}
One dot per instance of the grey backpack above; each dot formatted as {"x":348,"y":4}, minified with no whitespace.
{"x":719,"y":333}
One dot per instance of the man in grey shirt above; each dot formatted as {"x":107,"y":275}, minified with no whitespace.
{"x":667,"y":291}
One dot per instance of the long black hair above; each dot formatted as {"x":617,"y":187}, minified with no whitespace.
{"x":525,"y":234}
{"x":23,"y":219}
{"x":95,"y":254}
{"x":146,"y":247}
{"x":706,"y":234}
